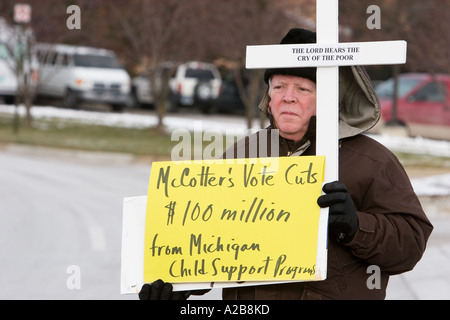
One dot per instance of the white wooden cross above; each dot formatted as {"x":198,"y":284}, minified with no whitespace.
{"x":327,"y":55}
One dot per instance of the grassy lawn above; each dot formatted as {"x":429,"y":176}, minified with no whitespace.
{"x":73,"y":135}
{"x":70,"y":134}
{"x":423,"y":160}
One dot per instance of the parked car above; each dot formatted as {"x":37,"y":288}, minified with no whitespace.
{"x":229,"y":100}
{"x":75,"y":74}
{"x":195,"y":84}
{"x":140,"y":85}
{"x":8,"y":79}
{"x":140,"y":91}
{"x":423,"y":104}
{"x":9,"y":49}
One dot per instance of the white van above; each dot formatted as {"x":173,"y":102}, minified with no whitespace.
{"x":77,"y":74}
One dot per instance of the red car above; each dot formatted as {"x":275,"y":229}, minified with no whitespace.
{"x":423,"y":104}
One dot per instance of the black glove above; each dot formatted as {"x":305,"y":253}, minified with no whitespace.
{"x":159,"y":290}
{"x":343,"y":220}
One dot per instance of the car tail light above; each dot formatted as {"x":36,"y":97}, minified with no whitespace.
{"x":179,"y":87}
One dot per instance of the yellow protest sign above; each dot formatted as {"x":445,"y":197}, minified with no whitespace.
{"x":239,"y":220}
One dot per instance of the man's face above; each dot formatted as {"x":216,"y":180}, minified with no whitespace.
{"x":292,"y":103}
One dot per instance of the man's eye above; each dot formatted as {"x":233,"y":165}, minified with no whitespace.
{"x":304,"y":89}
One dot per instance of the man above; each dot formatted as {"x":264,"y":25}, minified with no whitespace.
{"x":375,"y":218}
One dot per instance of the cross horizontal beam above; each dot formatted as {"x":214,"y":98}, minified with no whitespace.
{"x":326,"y":55}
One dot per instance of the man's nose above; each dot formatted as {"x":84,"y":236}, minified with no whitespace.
{"x":289,"y":94}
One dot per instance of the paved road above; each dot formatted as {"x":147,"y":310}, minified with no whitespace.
{"x":61,"y":219}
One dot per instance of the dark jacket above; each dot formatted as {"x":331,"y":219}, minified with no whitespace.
{"x":393,"y":229}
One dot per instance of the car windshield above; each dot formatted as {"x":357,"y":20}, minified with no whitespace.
{"x":405,"y":85}
{"x":96,"y":61}
{"x":202,"y":74}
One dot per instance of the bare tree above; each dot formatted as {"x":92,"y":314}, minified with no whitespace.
{"x":146,"y":34}
{"x":152,"y":34}
{"x":242,"y":23}
{"x":18,"y":41}
{"x":423,"y":24}
{"x":234,"y":20}
{"x":48,"y":23}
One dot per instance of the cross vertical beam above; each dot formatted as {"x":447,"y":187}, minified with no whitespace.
{"x":327,"y":111}
{"x":327,"y":135}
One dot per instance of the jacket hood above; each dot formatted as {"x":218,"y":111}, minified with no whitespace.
{"x":359,"y":108}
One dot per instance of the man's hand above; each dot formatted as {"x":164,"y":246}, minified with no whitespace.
{"x":342,"y":220}
{"x":160,"y":290}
